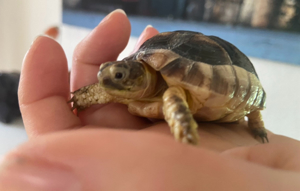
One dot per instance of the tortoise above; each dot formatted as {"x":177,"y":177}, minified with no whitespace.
{"x":182,"y":77}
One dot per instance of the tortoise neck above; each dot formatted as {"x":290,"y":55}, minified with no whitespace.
{"x":150,"y":80}
{"x":160,"y":86}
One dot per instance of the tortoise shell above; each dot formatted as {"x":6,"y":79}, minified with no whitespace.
{"x":220,"y":79}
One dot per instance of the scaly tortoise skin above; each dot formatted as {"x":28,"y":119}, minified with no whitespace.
{"x":182,"y":77}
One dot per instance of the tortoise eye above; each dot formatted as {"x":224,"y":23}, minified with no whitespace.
{"x":119,"y":75}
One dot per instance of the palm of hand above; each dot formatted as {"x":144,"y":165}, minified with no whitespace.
{"x":41,"y":100}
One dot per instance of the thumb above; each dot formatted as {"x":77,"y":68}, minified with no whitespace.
{"x":110,"y":160}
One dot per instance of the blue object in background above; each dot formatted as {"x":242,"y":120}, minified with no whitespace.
{"x":265,"y":44}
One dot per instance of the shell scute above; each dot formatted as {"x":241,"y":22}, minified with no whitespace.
{"x":236,"y":56}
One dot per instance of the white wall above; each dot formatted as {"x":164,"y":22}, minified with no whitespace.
{"x":20,"y":22}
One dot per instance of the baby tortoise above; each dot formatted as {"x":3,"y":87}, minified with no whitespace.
{"x":182,"y":77}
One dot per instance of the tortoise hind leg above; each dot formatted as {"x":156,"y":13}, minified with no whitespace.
{"x":179,"y":117}
{"x":256,"y":124}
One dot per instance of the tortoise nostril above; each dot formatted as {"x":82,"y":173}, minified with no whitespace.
{"x":106,"y":80}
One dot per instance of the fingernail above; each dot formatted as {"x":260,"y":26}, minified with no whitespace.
{"x":34,"y":40}
{"x":39,"y":36}
{"x":110,"y":14}
{"x":119,"y":11}
{"x":20,"y":173}
{"x":148,"y":26}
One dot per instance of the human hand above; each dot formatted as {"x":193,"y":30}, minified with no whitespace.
{"x":44,"y":88}
{"x":92,"y":159}
{"x":106,"y":148}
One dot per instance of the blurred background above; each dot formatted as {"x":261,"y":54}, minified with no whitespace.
{"x":275,"y":14}
{"x":267,"y":31}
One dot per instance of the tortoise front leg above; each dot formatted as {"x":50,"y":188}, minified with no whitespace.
{"x":86,"y":96}
{"x":146,"y":109}
{"x":256,"y":124}
{"x":91,"y":95}
{"x":179,"y":117}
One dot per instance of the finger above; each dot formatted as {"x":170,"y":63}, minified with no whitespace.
{"x":281,"y":152}
{"x":44,"y":89}
{"x":122,"y":160}
{"x":116,"y":115}
{"x":103,"y":44}
{"x":148,"y":32}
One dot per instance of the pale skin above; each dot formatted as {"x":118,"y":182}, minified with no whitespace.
{"x":106,"y":148}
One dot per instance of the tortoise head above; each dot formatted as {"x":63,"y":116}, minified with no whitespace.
{"x":127,"y":79}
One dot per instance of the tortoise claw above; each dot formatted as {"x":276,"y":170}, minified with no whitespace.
{"x":263,"y":138}
{"x":262,"y":133}
{"x":75,"y":105}
{"x":72,"y":100}
{"x":73,"y":108}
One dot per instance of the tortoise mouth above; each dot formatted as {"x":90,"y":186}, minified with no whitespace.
{"x":107,"y":82}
